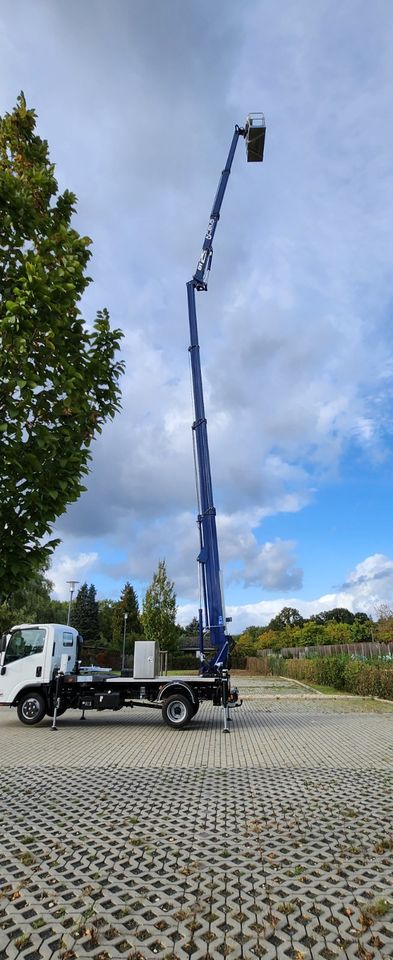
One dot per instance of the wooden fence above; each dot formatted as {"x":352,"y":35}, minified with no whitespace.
{"x":258,"y":665}
{"x":371,"y":648}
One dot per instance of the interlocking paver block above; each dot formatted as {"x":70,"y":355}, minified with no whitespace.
{"x":123,"y":838}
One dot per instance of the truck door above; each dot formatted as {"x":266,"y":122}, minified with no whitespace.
{"x":65,"y":642}
{"x":22,"y":661}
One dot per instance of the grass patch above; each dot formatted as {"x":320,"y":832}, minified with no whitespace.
{"x":185,"y":672}
{"x":27,"y":859}
{"x":325,"y":688}
{"x":22,"y":941}
{"x":378,"y":908}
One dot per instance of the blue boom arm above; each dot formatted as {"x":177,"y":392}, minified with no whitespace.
{"x":212,"y":619}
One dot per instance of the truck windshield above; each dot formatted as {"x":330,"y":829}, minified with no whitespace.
{"x":23,"y":643}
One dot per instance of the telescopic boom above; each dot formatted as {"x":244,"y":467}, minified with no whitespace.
{"x":212,"y":617}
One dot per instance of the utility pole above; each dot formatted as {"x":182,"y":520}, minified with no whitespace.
{"x":124,"y":641}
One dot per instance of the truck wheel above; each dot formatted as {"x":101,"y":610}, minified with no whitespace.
{"x":177,"y":710}
{"x":31,"y":707}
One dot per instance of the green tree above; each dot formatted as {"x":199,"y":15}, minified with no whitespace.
{"x":253,"y":632}
{"x":382,"y":631}
{"x":33,"y":600}
{"x":362,"y":628}
{"x":288,"y":617}
{"x":59,"y":379}
{"x":106,"y":610}
{"x":272,"y":640}
{"x":309,"y":635}
{"x":84,"y":614}
{"x":159,"y":610}
{"x":337,"y":632}
{"x":32,"y":603}
{"x":128,"y":604}
{"x":249,"y":642}
{"x":362,"y":618}
{"x":338,"y":614}
{"x":8,"y":618}
{"x":191,"y":629}
{"x":94,"y":636}
{"x":59,"y":611}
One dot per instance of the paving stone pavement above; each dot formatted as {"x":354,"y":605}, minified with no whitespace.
{"x":123,"y":838}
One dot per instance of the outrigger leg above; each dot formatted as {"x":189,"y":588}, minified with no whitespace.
{"x":225,"y":700}
{"x":57,"y":700}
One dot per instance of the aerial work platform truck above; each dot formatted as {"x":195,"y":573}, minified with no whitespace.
{"x":41,"y":674}
{"x":40,"y":664}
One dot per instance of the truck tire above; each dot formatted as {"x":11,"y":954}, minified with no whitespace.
{"x":31,"y":707}
{"x":177,"y":710}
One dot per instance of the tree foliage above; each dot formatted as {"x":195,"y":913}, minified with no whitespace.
{"x":288,"y":617}
{"x":84,"y":614}
{"x":106,"y":609}
{"x":289,"y":629}
{"x":383,"y":629}
{"x":59,"y":380}
{"x":32,"y":603}
{"x":338,"y":614}
{"x":128,"y":604}
{"x":191,"y":629}
{"x":249,"y":641}
{"x":159,"y":610}
{"x":33,"y":598}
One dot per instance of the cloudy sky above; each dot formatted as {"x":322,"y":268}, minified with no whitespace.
{"x":138,"y":100}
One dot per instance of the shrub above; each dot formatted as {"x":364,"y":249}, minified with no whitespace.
{"x":304,"y":670}
{"x":369,"y":679}
{"x":183,"y":661}
{"x":275,"y":665}
{"x":331,"y":671}
{"x":373,"y":678}
{"x":238,"y":662}
{"x":259,"y":665}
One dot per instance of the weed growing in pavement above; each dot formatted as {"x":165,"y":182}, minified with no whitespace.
{"x":22,"y":941}
{"x":27,"y":859}
{"x":378,"y":908}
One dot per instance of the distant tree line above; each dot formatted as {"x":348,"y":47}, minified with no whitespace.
{"x":339,"y":625}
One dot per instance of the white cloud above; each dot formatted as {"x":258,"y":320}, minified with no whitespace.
{"x":272,"y":566}
{"x":369,"y":585}
{"x":371,"y":582}
{"x":64,"y":567}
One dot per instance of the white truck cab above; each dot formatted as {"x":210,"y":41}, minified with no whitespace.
{"x":32,"y":654}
